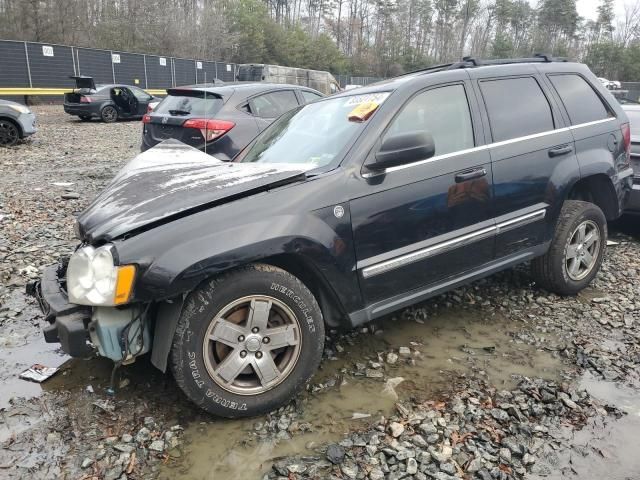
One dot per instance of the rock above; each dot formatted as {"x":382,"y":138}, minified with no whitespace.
{"x":444,"y":455}
{"x":505,"y":454}
{"x":449,"y":468}
{"x":474,"y":465}
{"x":157,"y":446}
{"x":124,"y":447}
{"x":528,"y":459}
{"x":570,"y":403}
{"x":392,"y":358}
{"x":412,"y":466}
{"x":335,"y":454}
{"x":396,"y":429}
{"x":70,"y":196}
{"x":126,"y":438}
{"x":404,"y":351}
{"x":428,"y":428}
{"x":86,"y":463}
{"x":499,"y":414}
{"x":143,"y":435}
{"x":350,"y":471}
{"x":376,"y":474}
{"x":372,"y":373}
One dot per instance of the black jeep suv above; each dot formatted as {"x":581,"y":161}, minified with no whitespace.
{"x":341,"y":211}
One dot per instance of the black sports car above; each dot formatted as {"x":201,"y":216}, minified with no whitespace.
{"x":108,"y":102}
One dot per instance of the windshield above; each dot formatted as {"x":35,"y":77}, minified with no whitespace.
{"x":634,"y":120}
{"x":315,"y":134}
{"x":191,"y":103}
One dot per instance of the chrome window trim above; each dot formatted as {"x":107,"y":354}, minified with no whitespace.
{"x":412,"y":257}
{"x":487,"y":147}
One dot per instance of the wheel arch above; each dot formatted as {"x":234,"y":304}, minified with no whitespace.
{"x":599,"y":190}
{"x":15,"y":123}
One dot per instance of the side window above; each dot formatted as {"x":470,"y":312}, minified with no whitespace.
{"x":582,"y":103}
{"x":274,"y":104}
{"x":444,"y":113}
{"x":516,"y":107}
{"x":140,"y":94}
{"x":309,"y":96}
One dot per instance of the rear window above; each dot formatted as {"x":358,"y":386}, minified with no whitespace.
{"x":634,"y":120}
{"x":582,"y":103}
{"x":273,"y":104}
{"x":195,"y":103}
{"x":517,"y":107}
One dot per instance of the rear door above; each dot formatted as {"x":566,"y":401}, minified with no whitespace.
{"x":417,"y":224}
{"x":596,"y":131}
{"x":531,"y":150}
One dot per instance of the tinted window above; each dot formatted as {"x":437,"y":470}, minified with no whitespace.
{"x":517,"y":107}
{"x":444,"y":113}
{"x":190,"y":103}
{"x":274,"y":104}
{"x":140,"y":94}
{"x":580,"y":100}
{"x":309,"y":96}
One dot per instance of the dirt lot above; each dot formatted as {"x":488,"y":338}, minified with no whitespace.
{"x":496,"y":380}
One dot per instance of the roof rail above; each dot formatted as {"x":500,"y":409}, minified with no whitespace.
{"x":470,"y":62}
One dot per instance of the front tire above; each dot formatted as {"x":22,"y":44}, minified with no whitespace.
{"x":109,"y":114}
{"x":9,"y":133}
{"x":576,"y":252}
{"x":247,"y":341}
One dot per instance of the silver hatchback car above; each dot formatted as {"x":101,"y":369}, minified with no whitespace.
{"x":16,"y":121}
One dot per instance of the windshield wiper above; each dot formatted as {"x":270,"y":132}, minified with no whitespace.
{"x":179,"y":112}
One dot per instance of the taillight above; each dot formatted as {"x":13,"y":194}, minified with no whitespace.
{"x":85,"y":99}
{"x":626,"y":138}
{"x":210,"y":128}
{"x":146,"y":118}
{"x":149,"y":109}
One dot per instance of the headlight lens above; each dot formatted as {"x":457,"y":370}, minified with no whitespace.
{"x":93,"y":279}
{"x":20,"y":108}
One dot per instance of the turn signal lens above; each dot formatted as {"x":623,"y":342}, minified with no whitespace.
{"x":124,"y":284}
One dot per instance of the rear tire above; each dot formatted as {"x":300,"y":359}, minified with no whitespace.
{"x":576,"y":252}
{"x":247,"y":341}
{"x":109,"y":114}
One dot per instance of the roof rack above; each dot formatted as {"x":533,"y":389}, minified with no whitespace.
{"x":470,"y":62}
{"x":467,"y":62}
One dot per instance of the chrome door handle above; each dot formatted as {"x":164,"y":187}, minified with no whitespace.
{"x":470,"y":175}
{"x":556,"y":152}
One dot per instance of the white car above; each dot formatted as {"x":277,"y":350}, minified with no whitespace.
{"x":610,"y":84}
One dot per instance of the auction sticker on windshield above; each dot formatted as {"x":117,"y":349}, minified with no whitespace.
{"x":366,"y":98}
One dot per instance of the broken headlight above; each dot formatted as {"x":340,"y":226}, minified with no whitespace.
{"x":94,"y":279}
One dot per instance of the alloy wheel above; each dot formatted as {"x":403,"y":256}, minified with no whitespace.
{"x":109,"y":114}
{"x":252,"y":345}
{"x":581,"y":253}
{"x":9,"y":134}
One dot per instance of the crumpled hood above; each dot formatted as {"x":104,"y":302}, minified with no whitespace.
{"x":172,"y":180}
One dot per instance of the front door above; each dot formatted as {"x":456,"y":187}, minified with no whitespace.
{"x":417,"y":224}
{"x":533,"y":158}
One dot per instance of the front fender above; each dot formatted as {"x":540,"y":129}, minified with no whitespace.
{"x":188,"y":253}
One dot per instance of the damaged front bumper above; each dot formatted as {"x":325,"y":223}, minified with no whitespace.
{"x":68,"y":323}
{"x":120,"y":334}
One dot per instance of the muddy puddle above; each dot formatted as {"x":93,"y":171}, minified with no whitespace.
{"x":606,"y":447}
{"x":450,"y":347}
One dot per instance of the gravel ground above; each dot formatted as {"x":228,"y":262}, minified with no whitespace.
{"x":550,"y":390}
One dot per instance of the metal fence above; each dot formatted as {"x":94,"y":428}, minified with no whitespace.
{"x":42,"y":65}
{"x":631,"y":91}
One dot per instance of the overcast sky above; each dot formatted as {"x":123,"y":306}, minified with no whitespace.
{"x":588,"y":8}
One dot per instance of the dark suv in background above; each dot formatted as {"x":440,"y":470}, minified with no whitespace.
{"x":220,"y":120}
{"x":340,"y":212}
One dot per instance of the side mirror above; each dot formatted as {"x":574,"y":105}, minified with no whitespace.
{"x":404,"y":148}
